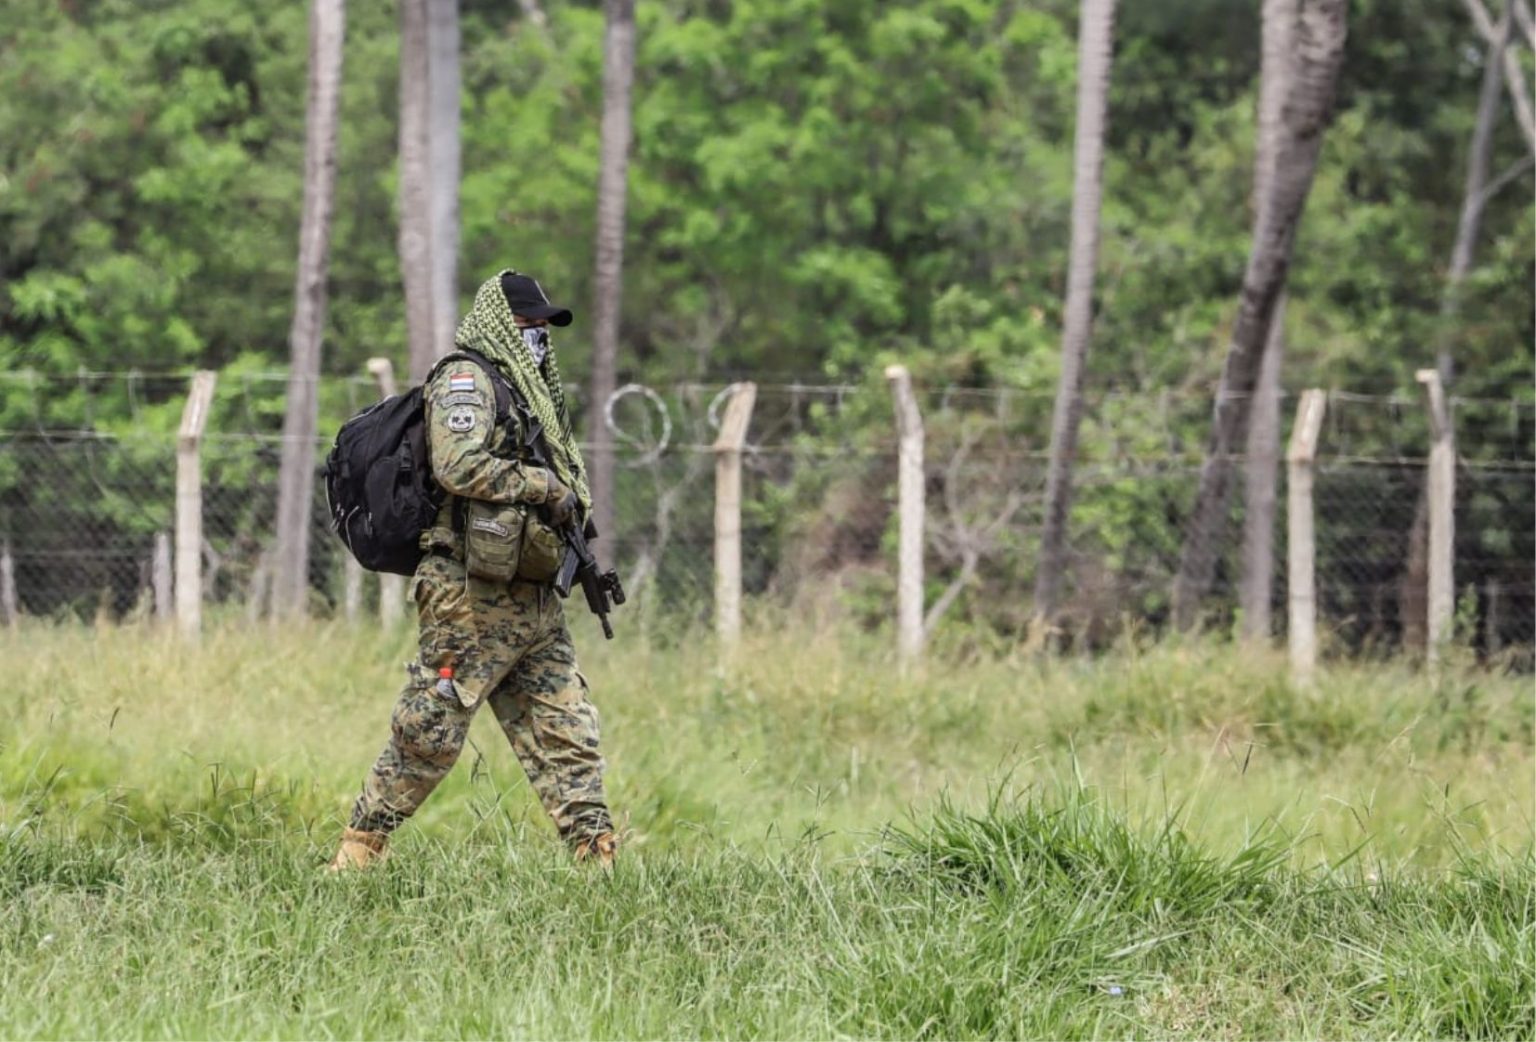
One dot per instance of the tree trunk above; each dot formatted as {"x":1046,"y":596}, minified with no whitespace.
{"x":1095,"y":44}
{"x":1413,"y":591}
{"x":443,"y":166}
{"x":1474,"y":199}
{"x":327,"y":25}
{"x":1317,"y":56}
{"x":1263,"y":466}
{"x":1514,"y":72}
{"x":1260,"y":495}
{"x":608,"y":276}
{"x":415,"y":234}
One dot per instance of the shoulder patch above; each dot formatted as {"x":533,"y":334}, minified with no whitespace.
{"x":464,"y":398}
{"x":461,"y":420}
{"x":461,"y":382}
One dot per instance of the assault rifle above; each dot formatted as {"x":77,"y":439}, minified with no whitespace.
{"x":602,"y":589}
{"x":579,"y":565}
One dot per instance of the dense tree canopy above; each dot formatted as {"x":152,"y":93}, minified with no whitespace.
{"x":814,"y":185}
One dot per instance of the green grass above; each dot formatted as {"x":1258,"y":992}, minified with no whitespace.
{"x":1170,"y":841}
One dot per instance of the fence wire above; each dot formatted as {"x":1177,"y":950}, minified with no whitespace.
{"x":87,"y":476}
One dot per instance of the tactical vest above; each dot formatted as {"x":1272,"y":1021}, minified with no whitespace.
{"x":510,"y":541}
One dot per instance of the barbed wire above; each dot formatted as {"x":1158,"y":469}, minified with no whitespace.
{"x":1359,"y":428}
{"x":1389,"y":395}
{"x":647,"y":454}
{"x":80,"y":511}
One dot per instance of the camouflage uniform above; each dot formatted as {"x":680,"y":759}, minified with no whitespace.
{"x":506,"y":642}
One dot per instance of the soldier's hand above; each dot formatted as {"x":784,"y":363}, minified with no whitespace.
{"x":560,"y":502}
{"x":536,"y":493}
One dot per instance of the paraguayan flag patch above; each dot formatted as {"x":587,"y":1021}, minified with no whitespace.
{"x":461,"y":382}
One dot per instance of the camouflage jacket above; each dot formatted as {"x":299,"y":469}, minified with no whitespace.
{"x":472,"y":455}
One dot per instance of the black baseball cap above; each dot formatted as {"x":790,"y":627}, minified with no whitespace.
{"x":527,"y":298}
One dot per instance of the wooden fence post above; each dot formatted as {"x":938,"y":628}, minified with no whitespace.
{"x":391,"y":587}
{"x":1301,"y":559}
{"x":189,"y":504}
{"x":161,"y":578}
{"x":727,"y":449}
{"x":1442,"y":514}
{"x":909,"y":555}
{"x":9,"y":610}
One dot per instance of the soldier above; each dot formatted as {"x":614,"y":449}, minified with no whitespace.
{"x":491,"y":626}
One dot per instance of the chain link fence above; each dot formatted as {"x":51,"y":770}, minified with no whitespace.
{"x":87,"y":476}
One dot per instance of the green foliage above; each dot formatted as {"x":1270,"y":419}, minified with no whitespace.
{"x":816,"y":189}
{"x":813,"y":186}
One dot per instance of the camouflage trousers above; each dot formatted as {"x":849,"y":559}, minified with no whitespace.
{"x":508,"y":645}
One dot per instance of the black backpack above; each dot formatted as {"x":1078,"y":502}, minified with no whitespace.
{"x":378,"y":483}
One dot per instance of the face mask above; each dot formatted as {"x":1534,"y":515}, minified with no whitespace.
{"x":537,"y":339}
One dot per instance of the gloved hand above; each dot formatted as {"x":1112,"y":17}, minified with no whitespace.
{"x":560,"y":502}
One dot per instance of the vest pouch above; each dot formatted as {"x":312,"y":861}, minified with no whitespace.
{"x":493,"y":540}
{"x":542,"y":551}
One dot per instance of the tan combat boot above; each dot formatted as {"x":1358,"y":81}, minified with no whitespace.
{"x":602,"y":849}
{"x":359,"y":850}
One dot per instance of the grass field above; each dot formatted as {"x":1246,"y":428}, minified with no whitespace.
{"x":1167,"y":841}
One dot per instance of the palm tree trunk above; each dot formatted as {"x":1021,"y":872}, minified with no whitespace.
{"x":608,"y":276}
{"x":1263,"y":454}
{"x":1413,"y":591}
{"x":1260,"y":498}
{"x":415,"y":233}
{"x":327,"y":27}
{"x":444,"y":164}
{"x":1095,"y":45}
{"x":1317,"y":57}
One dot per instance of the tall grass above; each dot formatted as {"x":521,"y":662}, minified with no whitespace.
{"x":1167,"y":842}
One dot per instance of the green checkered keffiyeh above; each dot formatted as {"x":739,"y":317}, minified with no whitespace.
{"x":490,"y":329}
